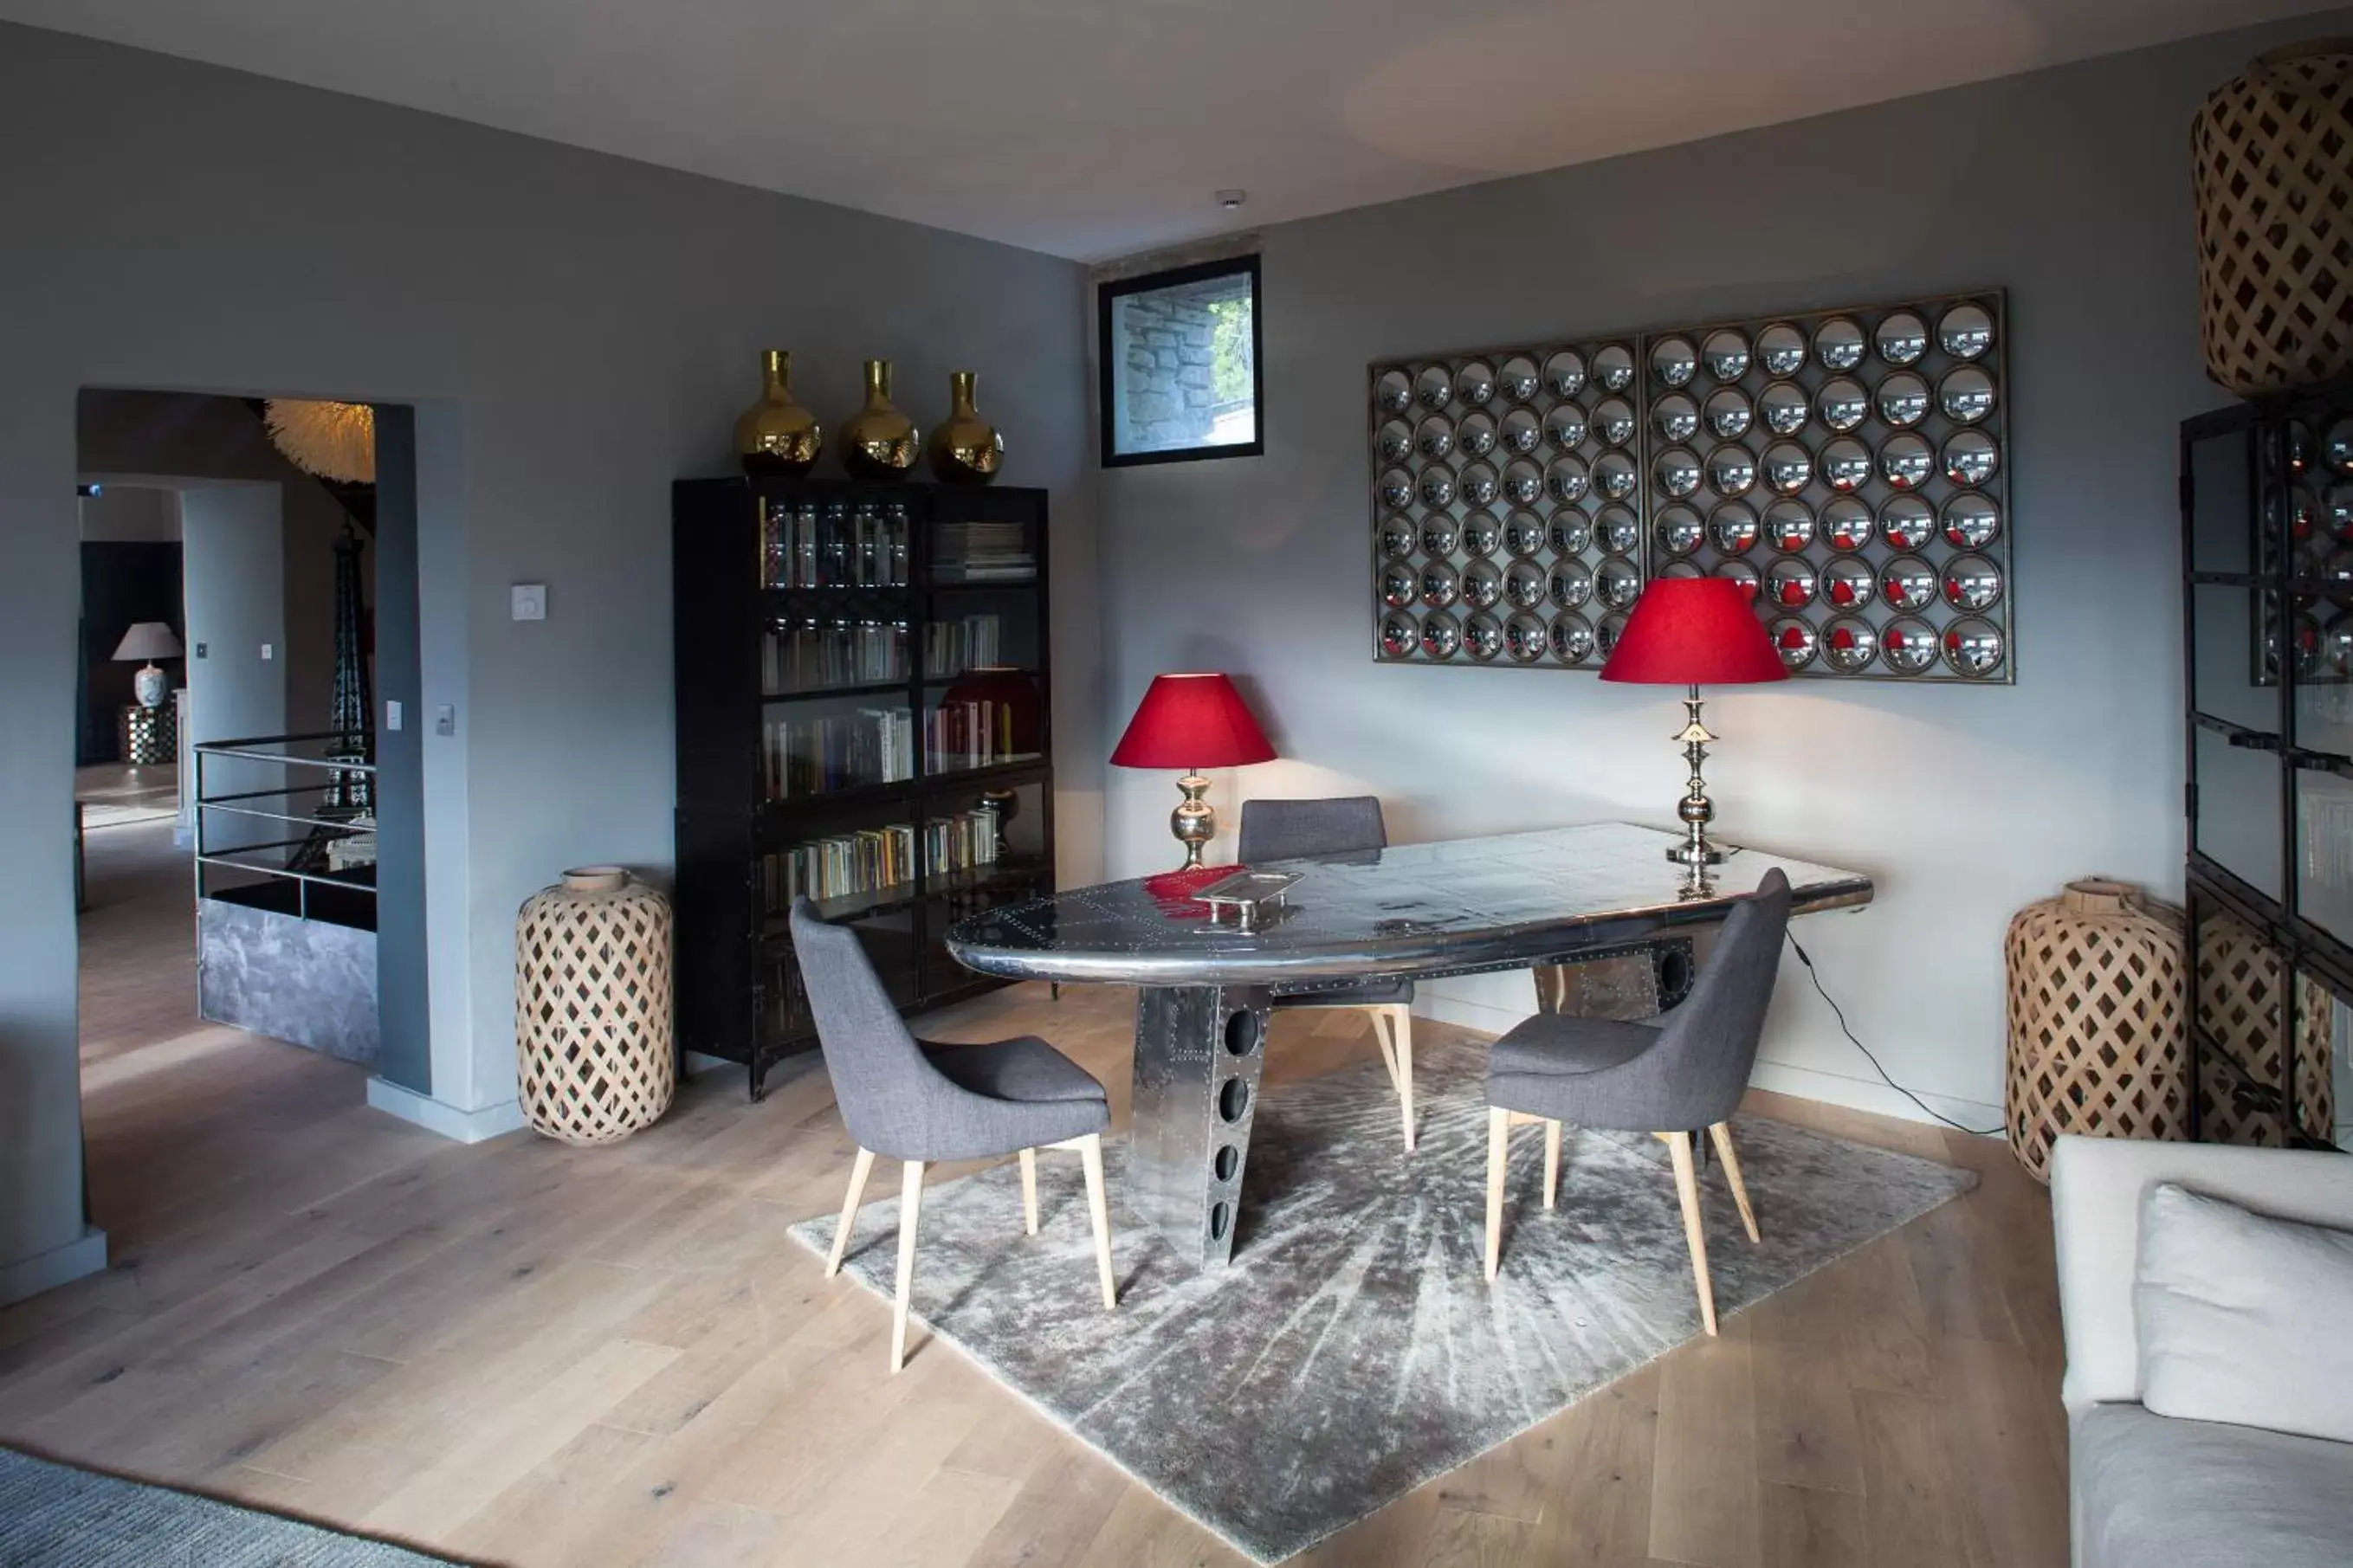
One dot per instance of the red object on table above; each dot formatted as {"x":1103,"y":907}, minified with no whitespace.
{"x":1694,"y":631}
{"x":1196,"y":721}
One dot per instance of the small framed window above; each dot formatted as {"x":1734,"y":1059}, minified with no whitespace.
{"x":1179,"y":355}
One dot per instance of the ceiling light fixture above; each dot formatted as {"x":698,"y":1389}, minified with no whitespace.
{"x":1231,"y":200}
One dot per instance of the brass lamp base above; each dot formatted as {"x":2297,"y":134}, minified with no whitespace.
{"x":1696,"y":853}
{"x":1193,"y":822}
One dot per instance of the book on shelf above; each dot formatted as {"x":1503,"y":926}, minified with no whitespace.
{"x":835,"y":545}
{"x":876,"y":859}
{"x":812,"y":653}
{"x":816,"y":754}
{"x":951,"y":647}
{"x":971,"y":734}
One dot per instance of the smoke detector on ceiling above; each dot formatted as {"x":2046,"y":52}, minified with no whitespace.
{"x":1231,"y":200}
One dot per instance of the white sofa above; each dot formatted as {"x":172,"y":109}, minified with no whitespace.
{"x":2146,"y":1488}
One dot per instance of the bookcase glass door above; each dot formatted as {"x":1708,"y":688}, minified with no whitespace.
{"x":998,"y":839}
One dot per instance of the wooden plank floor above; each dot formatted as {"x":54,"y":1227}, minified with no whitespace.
{"x":522,"y":1353}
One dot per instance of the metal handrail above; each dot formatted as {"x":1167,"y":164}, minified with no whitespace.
{"x":272,"y":750}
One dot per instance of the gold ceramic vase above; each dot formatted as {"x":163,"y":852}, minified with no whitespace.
{"x":966,"y":449}
{"x":879,"y":442}
{"x":777,"y":437}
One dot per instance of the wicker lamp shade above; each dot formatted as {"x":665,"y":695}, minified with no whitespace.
{"x":2273,"y":181}
{"x":2243,"y":988}
{"x":2098,"y":1001}
{"x":593,"y":1050}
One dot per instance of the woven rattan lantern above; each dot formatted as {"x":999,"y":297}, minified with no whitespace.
{"x":593,"y":1006}
{"x":2097,"y":1002}
{"x":2272,"y":164}
{"x":2242,"y":997}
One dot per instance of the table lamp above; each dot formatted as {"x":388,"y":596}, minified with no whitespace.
{"x":1694,"y":632}
{"x":1192,"y":721}
{"x":149,"y":641}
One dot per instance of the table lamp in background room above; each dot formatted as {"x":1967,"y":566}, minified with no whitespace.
{"x":1192,"y":721}
{"x":1694,"y":632}
{"x":149,"y":641}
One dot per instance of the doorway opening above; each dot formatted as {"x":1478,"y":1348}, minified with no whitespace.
{"x":227,"y":785}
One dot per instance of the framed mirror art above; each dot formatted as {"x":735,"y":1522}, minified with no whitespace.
{"x":1849,"y":467}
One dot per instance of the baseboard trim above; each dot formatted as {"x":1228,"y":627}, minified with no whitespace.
{"x":439,"y":1116}
{"x":1806,"y":1083}
{"x":28,"y":1277}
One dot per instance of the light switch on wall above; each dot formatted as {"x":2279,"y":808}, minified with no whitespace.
{"x":267,"y":653}
{"x":392,"y":714}
{"x":444,"y":720}
{"x":529,"y":600}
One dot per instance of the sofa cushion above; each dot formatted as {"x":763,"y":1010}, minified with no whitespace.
{"x":2241,"y":1315}
{"x":2151,"y":1489}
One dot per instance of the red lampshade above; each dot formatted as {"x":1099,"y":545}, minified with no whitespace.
{"x":1694,"y":631}
{"x":1191,"y":721}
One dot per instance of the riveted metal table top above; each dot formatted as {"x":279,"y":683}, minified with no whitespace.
{"x":1454,"y":907}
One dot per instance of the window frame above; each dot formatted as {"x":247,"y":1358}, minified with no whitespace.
{"x":1107,"y":296}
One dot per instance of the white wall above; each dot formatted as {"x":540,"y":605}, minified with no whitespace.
{"x":233,"y":557}
{"x":2070,"y":188}
{"x":232,"y":575}
{"x":576,"y":330}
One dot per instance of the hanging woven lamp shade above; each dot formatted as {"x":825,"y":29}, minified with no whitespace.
{"x":2271,"y":167}
{"x":326,"y":440}
{"x":2098,"y":1001}
{"x":593,"y":1054}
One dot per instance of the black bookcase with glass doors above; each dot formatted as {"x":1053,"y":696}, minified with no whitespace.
{"x":864,"y":715}
{"x":2267,"y":550}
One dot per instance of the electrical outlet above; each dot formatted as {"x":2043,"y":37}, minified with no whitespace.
{"x":444,"y":720}
{"x":203,"y":650}
{"x":267,"y":653}
{"x":529,"y":601}
{"x":392,"y":714}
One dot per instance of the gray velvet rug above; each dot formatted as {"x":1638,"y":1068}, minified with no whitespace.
{"x":1353,"y":1351}
{"x":57,"y":1516}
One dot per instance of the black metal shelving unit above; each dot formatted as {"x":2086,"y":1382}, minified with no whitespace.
{"x":2267,"y":612}
{"x":756,"y":782}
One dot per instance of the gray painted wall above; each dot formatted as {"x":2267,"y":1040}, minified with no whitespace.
{"x":2072,"y":188}
{"x":404,"y":984}
{"x":129,"y":513}
{"x":575,"y":330}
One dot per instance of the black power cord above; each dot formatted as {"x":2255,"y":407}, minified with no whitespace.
{"x":1843,"y":1028}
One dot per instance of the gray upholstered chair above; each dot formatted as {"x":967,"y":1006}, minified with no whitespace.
{"x":1337,"y":828}
{"x":1683,"y":1070}
{"x":919,"y":1103}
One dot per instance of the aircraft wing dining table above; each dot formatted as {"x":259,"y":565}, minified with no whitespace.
{"x":1543,"y":901}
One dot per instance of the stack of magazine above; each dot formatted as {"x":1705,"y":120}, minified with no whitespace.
{"x":983,"y":552}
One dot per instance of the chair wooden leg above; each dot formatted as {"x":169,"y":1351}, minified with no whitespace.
{"x":1721,"y":1135}
{"x":1379,"y":1018}
{"x":911,"y":1210}
{"x":1499,"y":1144}
{"x":1401,"y":1031}
{"x":1029,"y":1191}
{"x":1679,"y":1145}
{"x":857,"y":1169}
{"x":1552,"y":1162}
{"x":1099,"y":1211}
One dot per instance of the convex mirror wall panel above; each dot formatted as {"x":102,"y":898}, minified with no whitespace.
{"x":1849,"y":466}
